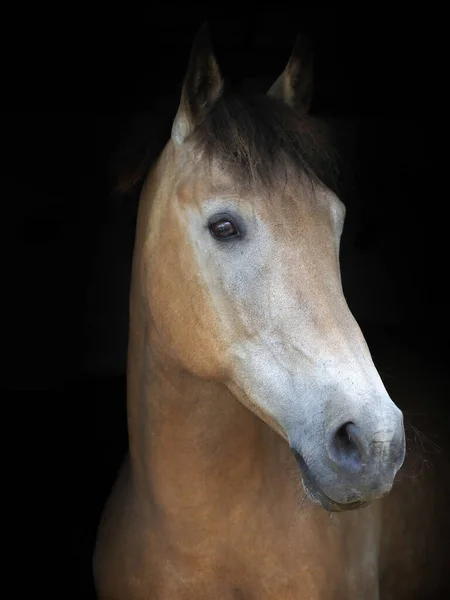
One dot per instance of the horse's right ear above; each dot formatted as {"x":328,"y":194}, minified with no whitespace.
{"x":203,"y":85}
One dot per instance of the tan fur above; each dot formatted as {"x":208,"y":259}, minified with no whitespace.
{"x":209,"y":505}
{"x":245,"y":530}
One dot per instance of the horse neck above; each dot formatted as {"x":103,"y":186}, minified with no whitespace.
{"x":192,"y":444}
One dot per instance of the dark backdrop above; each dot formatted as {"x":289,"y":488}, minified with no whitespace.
{"x":80,"y":81}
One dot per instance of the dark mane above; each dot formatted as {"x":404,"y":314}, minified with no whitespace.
{"x":259,"y":140}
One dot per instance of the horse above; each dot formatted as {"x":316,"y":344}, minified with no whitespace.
{"x":265,"y":451}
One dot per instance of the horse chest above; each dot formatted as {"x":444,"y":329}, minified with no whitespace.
{"x":315,"y":558}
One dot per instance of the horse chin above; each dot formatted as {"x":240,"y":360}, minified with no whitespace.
{"x":318,"y":496}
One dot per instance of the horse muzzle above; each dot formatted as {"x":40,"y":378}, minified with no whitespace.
{"x":356,"y":465}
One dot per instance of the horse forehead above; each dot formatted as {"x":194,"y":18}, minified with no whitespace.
{"x":198,"y":182}
{"x":302,"y":208}
{"x":284,"y":201}
{"x":200,"y":186}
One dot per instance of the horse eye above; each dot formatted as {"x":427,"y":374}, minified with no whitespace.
{"x":223,"y":228}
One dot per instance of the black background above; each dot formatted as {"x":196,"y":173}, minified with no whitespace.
{"x":79,"y":81}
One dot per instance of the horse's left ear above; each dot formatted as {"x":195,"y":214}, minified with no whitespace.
{"x":295,"y":84}
{"x":202,"y":87}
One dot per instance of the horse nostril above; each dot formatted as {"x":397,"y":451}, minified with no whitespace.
{"x":347,"y":448}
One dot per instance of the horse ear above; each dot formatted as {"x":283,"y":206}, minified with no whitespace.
{"x":295,"y":84}
{"x":203,"y":85}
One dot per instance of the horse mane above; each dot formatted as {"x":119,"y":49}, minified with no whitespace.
{"x":256,"y":138}
{"x":259,"y":140}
